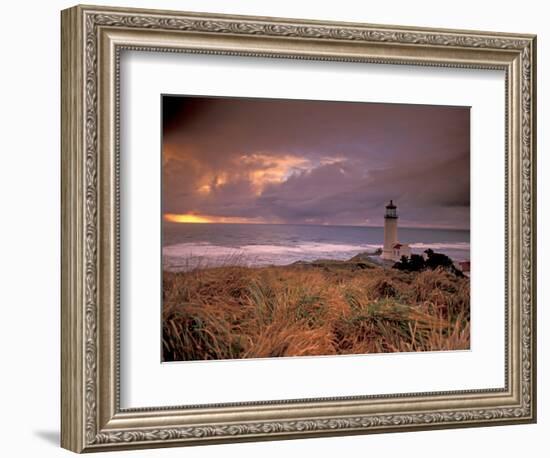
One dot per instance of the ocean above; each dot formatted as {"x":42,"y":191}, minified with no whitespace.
{"x":190,"y":246}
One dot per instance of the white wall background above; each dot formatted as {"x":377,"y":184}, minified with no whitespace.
{"x":29,"y":229}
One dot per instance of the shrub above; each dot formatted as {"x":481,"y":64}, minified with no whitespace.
{"x":417,"y":263}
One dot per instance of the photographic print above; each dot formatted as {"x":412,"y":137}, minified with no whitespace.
{"x":313,"y":228}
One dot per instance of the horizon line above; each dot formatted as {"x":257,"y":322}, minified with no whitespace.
{"x":311,"y":224}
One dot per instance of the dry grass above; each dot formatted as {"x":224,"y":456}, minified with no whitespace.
{"x":325,"y":309}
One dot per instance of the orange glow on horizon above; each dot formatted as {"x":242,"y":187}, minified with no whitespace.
{"x":193,"y":218}
{"x":188,"y":218}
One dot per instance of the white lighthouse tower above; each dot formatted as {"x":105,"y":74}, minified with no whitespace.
{"x":393,"y":250}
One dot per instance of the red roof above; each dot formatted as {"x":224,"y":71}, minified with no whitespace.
{"x":397,"y":245}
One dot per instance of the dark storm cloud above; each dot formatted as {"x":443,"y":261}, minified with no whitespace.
{"x":316,"y":162}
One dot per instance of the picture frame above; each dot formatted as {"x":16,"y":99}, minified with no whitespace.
{"x":93,"y":39}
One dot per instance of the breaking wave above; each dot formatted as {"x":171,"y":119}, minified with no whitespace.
{"x":193,"y":255}
{"x":188,"y":256}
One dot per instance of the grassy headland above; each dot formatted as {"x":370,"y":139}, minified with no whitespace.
{"x":307,"y":309}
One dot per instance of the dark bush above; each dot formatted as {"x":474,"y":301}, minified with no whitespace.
{"x":433,"y":260}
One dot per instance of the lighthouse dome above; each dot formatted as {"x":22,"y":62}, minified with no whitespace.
{"x":391,"y":210}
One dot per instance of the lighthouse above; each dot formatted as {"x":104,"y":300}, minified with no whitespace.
{"x":393,"y":250}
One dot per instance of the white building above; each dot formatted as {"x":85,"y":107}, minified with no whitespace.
{"x":393,"y":250}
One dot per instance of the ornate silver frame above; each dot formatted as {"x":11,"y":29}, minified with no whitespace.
{"x":92,"y":39}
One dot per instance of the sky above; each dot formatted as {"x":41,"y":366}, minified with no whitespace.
{"x":242,"y":160}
